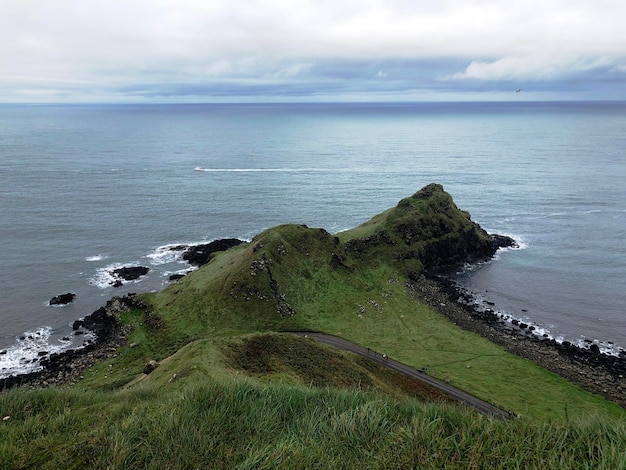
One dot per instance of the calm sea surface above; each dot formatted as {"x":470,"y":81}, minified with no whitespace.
{"x":87,"y":188}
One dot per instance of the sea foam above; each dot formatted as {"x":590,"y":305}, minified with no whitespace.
{"x":263,"y":170}
{"x":25,"y":355}
{"x":96,"y":258}
{"x":482,"y":304}
{"x":104,"y":278}
{"x":167,"y":254}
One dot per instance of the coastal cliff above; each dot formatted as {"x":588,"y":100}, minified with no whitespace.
{"x":209,"y":372}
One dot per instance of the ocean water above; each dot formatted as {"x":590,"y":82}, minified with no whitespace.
{"x":87,"y":188}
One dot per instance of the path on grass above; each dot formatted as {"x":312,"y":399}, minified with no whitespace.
{"x":453,"y":392}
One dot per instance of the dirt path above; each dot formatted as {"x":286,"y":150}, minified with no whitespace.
{"x":455,"y":393}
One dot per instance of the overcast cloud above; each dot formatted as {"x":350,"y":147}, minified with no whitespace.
{"x":277,"y":50}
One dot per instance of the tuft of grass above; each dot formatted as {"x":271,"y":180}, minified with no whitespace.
{"x":240,"y":424}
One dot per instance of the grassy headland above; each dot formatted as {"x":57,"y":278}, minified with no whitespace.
{"x":234,"y":391}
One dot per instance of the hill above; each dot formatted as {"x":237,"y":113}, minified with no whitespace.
{"x":228,"y":387}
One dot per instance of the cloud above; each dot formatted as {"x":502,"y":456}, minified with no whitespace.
{"x":83,"y":48}
{"x":533,"y":67}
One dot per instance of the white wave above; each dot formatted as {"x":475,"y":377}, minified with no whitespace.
{"x":47,"y":304}
{"x":520,"y":242}
{"x":166,"y":254}
{"x":610,"y":349}
{"x":96,"y":258}
{"x":482,"y":303}
{"x":262,"y":170}
{"x":183,"y":271}
{"x":23,"y":357}
{"x":553,"y":214}
{"x":103,"y":277}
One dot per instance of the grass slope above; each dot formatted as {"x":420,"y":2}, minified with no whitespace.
{"x":241,"y":424}
{"x":231,"y":391}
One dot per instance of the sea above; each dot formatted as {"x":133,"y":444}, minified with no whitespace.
{"x":88,"y":188}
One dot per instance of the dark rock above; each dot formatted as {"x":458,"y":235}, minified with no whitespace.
{"x":199,"y":255}
{"x":502,"y":241}
{"x":66,"y":366}
{"x":176,"y":277}
{"x":101,"y":321}
{"x":150,"y":367}
{"x":594,"y":348}
{"x":4,"y":351}
{"x":62,"y":299}
{"x":178,"y":247}
{"x":129,"y":273}
{"x":42,"y":353}
{"x":360,"y":245}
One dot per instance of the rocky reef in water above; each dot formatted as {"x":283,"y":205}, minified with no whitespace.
{"x":66,"y":366}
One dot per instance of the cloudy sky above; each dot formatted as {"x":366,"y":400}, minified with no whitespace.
{"x":311,"y":50}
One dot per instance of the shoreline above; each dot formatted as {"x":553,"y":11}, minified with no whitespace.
{"x":591,"y":370}
{"x":595,"y":372}
{"x":66,"y":367}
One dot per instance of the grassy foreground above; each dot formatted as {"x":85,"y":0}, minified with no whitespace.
{"x":232,"y":392}
{"x":243,"y":425}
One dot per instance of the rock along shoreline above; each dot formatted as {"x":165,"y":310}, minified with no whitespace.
{"x":589,"y":368}
{"x":66,"y":367}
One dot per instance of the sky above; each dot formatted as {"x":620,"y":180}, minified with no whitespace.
{"x":78,"y":51}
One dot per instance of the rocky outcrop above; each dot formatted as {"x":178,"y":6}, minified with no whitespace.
{"x":150,"y":367}
{"x":67,"y":366}
{"x":62,"y":299}
{"x":425,"y":232}
{"x":128,"y":273}
{"x":199,"y":255}
{"x":502,"y":241}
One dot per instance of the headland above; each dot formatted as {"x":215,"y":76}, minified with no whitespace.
{"x":415,"y":239}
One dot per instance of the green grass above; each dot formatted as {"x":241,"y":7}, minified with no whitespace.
{"x":231,"y":391}
{"x":240,"y":424}
{"x":372,"y":308}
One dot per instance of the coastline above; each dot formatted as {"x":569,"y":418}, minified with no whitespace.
{"x":66,"y":367}
{"x":593,"y":371}
{"x":589,"y":368}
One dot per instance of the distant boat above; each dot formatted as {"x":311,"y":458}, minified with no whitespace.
{"x":518,"y":90}
{"x":197,"y":168}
